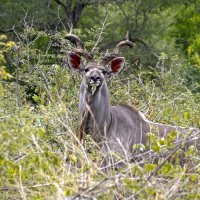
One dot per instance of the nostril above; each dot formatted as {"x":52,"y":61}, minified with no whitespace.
{"x":95,"y":78}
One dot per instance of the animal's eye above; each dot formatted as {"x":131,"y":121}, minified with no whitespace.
{"x":104,"y":72}
{"x":86,"y":69}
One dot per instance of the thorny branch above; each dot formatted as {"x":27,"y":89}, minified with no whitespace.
{"x":102,"y":29}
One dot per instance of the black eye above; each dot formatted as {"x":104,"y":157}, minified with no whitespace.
{"x":104,"y":72}
{"x":86,"y":69}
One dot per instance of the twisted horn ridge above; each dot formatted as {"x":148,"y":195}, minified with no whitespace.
{"x":74,"y":39}
{"x":121,"y":44}
{"x":109,"y":56}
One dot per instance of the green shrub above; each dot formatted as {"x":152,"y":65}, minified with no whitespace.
{"x":40,"y":154}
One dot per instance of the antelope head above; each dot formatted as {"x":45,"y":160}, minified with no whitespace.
{"x":95,"y":73}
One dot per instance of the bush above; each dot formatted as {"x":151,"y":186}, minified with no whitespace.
{"x":41,"y":157}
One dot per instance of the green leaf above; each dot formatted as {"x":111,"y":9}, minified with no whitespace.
{"x":167,"y":169}
{"x":149,"y":167}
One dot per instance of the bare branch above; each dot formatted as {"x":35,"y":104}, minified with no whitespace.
{"x":61,"y":3}
{"x":102,"y":28}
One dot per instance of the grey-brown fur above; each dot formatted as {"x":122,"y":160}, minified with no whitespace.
{"x":120,"y":126}
{"x":115,"y":128}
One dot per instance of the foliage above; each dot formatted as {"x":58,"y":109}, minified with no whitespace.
{"x":40,"y":154}
{"x":42,"y":13}
{"x":187,"y":30}
{"x":40,"y":157}
{"x":4,"y":48}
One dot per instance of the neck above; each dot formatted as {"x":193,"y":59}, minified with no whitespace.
{"x":94,"y":111}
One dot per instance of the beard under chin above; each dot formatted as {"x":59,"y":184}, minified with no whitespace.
{"x":93,"y":87}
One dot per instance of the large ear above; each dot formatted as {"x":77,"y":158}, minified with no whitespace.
{"x":74,"y":61}
{"x":116,"y":65}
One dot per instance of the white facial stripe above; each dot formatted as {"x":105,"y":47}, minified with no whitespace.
{"x":95,"y":69}
{"x":95,"y":83}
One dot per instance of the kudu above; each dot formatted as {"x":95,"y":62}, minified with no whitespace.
{"x":116,"y":128}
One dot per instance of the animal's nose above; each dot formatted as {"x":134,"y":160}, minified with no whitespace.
{"x":95,"y":77}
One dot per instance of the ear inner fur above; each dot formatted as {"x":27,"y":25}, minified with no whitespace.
{"x":117,"y":64}
{"x":74,"y":60}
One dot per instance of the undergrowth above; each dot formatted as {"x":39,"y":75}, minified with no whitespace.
{"x":41,"y":156}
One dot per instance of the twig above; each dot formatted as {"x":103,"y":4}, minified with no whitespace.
{"x":102,"y":28}
{"x":159,"y":166}
{"x":21,"y":186}
{"x":3,"y":117}
{"x":18,"y":158}
{"x":61,"y":3}
{"x":98,"y":185}
{"x":36,"y":144}
{"x":9,"y":188}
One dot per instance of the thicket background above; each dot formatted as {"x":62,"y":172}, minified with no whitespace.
{"x":39,"y":155}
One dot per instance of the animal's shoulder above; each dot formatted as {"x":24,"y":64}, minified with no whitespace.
{"x":126,"y":109}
